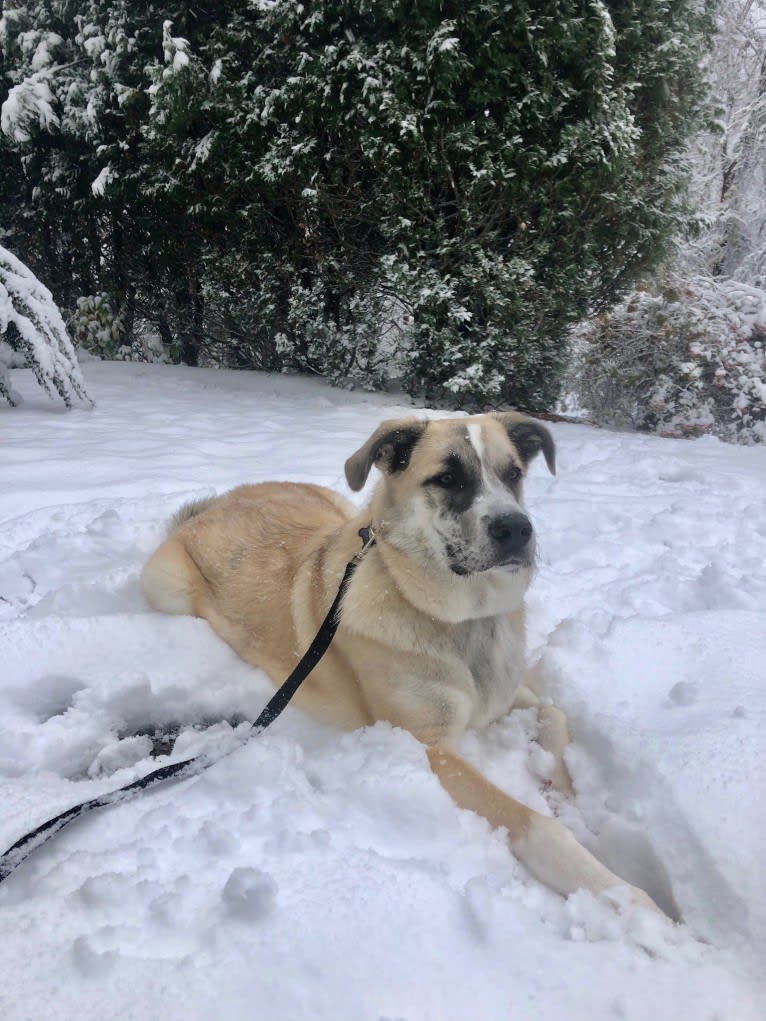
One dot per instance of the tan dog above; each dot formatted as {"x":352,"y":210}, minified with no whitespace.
{"x":432,"y":626}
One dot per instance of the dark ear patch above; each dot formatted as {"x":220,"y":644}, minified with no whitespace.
{"x":393,"y":455}
{"x":389,"y":449}
{"x":529,"y":437}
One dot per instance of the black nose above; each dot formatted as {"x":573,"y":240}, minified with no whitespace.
{"x":511,"y":532}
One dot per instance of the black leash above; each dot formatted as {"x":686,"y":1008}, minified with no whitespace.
{"x":23,"y":847}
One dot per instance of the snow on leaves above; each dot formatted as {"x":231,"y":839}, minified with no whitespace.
{"x":686,"y":361}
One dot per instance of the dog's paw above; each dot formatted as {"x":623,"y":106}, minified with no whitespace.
{"x":625,"y":897}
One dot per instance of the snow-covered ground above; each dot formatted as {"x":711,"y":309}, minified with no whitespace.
{"x":314,"y":875}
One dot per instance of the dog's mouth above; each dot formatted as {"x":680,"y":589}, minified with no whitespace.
{"x":459,"y":569}
{"x":510,"y":566}
{"x":513,"y":564}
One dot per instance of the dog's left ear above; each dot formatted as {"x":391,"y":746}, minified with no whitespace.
{"x":388,"y":448}
{"x":529,"y":437}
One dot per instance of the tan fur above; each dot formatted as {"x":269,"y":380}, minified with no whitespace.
{"x":427,"y":649}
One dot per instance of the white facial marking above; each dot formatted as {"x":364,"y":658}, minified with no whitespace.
{"x":492,"y":492}
{"x":475,"y":439}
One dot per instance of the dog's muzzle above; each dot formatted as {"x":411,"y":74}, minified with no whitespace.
{"x":508,"y":544}
{"x":511,"y":534}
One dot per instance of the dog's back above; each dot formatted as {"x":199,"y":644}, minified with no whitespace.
{"x":258,"y":533}
{"x":234,"y":559}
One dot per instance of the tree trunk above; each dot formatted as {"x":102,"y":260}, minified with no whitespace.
{"x":191,"y":334}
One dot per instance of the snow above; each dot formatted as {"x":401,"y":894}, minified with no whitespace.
{"x":174,"y":49}
{"x":102,"y":180}
{"x":312,"y":874}
{"x":28,"y":108}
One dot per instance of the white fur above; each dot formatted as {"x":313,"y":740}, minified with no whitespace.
{"x":494,"y":497}
{"x":496,"y":660}
{"x":476,"y":440}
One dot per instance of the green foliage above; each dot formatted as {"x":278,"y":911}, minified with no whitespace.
{"x":96,"y":328}
{"x":430,"y":190}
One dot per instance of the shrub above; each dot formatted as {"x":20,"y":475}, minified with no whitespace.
{"x":96,"y":327}
{"x":687,"y":360}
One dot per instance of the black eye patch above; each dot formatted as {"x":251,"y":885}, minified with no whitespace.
{"x":457,"y":483}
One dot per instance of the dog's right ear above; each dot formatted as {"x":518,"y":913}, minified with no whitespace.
{"x":389,"y":449}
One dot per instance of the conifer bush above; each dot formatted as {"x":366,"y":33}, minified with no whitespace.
{"x":369,"y":189}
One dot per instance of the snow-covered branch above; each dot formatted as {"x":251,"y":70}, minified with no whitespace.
{"x":34,"y":335}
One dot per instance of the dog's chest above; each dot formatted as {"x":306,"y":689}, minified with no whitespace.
{"x":493,"y":650}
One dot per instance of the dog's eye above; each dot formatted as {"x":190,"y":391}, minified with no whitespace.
{"x":513,"y":474}
{"x":450,"y":478}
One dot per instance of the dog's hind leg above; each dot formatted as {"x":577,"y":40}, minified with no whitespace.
{"x":172,"y":582}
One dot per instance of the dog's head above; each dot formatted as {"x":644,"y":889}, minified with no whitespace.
{"x":452,"y":488}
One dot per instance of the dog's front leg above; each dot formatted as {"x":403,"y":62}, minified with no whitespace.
{"x":434,"y":704}
{"x":553,"y":735}
{"x":547,"y":848}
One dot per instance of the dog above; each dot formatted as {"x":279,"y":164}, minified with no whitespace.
{"x":431,"y":633}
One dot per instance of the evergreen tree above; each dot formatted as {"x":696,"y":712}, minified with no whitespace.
{"x":356,"y":187}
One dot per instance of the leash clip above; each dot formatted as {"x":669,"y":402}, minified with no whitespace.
{"x":367,"y":535}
